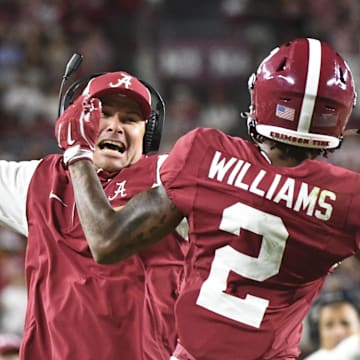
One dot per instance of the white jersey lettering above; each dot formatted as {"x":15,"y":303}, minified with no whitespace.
{"x":236,"y":172}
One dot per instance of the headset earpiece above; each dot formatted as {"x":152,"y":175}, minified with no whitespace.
{"x":155,"y":123}
{"x":150,"y":127}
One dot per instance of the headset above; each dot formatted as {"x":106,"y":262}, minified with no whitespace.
{"x":154,"y":124}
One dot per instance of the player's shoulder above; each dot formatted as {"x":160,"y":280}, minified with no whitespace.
{"x":336,"y":171}
{"x":206,"y":133}
{"x":342,"y":183}
{"x":205,"y":137}
{"x":51,"y":161}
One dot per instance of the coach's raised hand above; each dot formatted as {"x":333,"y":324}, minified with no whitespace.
{"x":77,"y":128}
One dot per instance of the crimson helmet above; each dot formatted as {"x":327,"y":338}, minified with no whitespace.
{"x":302,"y":94}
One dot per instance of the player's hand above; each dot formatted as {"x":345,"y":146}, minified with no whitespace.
{"x":77,"y":129}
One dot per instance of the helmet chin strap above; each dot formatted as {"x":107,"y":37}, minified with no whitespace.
{"x":251,"y":125}
{"x":250,"y":122}
{"x":264,"y":154}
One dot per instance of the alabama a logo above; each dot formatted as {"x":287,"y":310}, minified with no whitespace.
{"x":119,"y":191}
{"x":124,"y":81}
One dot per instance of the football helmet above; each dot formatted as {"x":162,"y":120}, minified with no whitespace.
{"x":302,"y":94}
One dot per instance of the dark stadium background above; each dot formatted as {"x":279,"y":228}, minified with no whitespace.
{"x":198,"y":54}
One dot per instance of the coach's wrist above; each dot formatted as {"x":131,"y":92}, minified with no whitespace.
{"x":76,"y":153}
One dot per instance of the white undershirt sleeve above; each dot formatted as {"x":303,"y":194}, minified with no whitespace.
{"x":14,"y":183}
{"x":183,"y":228}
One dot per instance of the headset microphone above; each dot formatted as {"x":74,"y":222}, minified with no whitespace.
{"x":71,"y":66}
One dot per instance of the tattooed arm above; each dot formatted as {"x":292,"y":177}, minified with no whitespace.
{"x":114,"y":235}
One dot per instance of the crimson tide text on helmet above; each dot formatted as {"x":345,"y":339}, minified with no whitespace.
{"x":302,"y":94}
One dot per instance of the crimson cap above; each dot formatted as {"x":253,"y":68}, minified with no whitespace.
{"x":121,"y":82}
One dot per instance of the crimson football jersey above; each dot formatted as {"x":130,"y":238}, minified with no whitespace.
{"x":79,"y":309}
{"x":163,"y":263}
{"x":262,"y":239}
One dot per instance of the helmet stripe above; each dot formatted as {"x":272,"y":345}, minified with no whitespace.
{"x":311,"y":86}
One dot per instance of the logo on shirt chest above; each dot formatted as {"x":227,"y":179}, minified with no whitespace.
{"x":120,"y":190}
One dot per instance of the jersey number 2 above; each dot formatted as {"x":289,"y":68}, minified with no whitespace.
{"x":251,"y":309}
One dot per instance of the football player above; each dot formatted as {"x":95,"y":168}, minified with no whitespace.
{"x":78,"y":309}
{"x":267,"y":219}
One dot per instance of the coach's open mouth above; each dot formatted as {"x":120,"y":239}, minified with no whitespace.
{"x":112,"y":145}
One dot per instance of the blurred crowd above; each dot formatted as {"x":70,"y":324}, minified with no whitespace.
{"x":198,"y":56}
